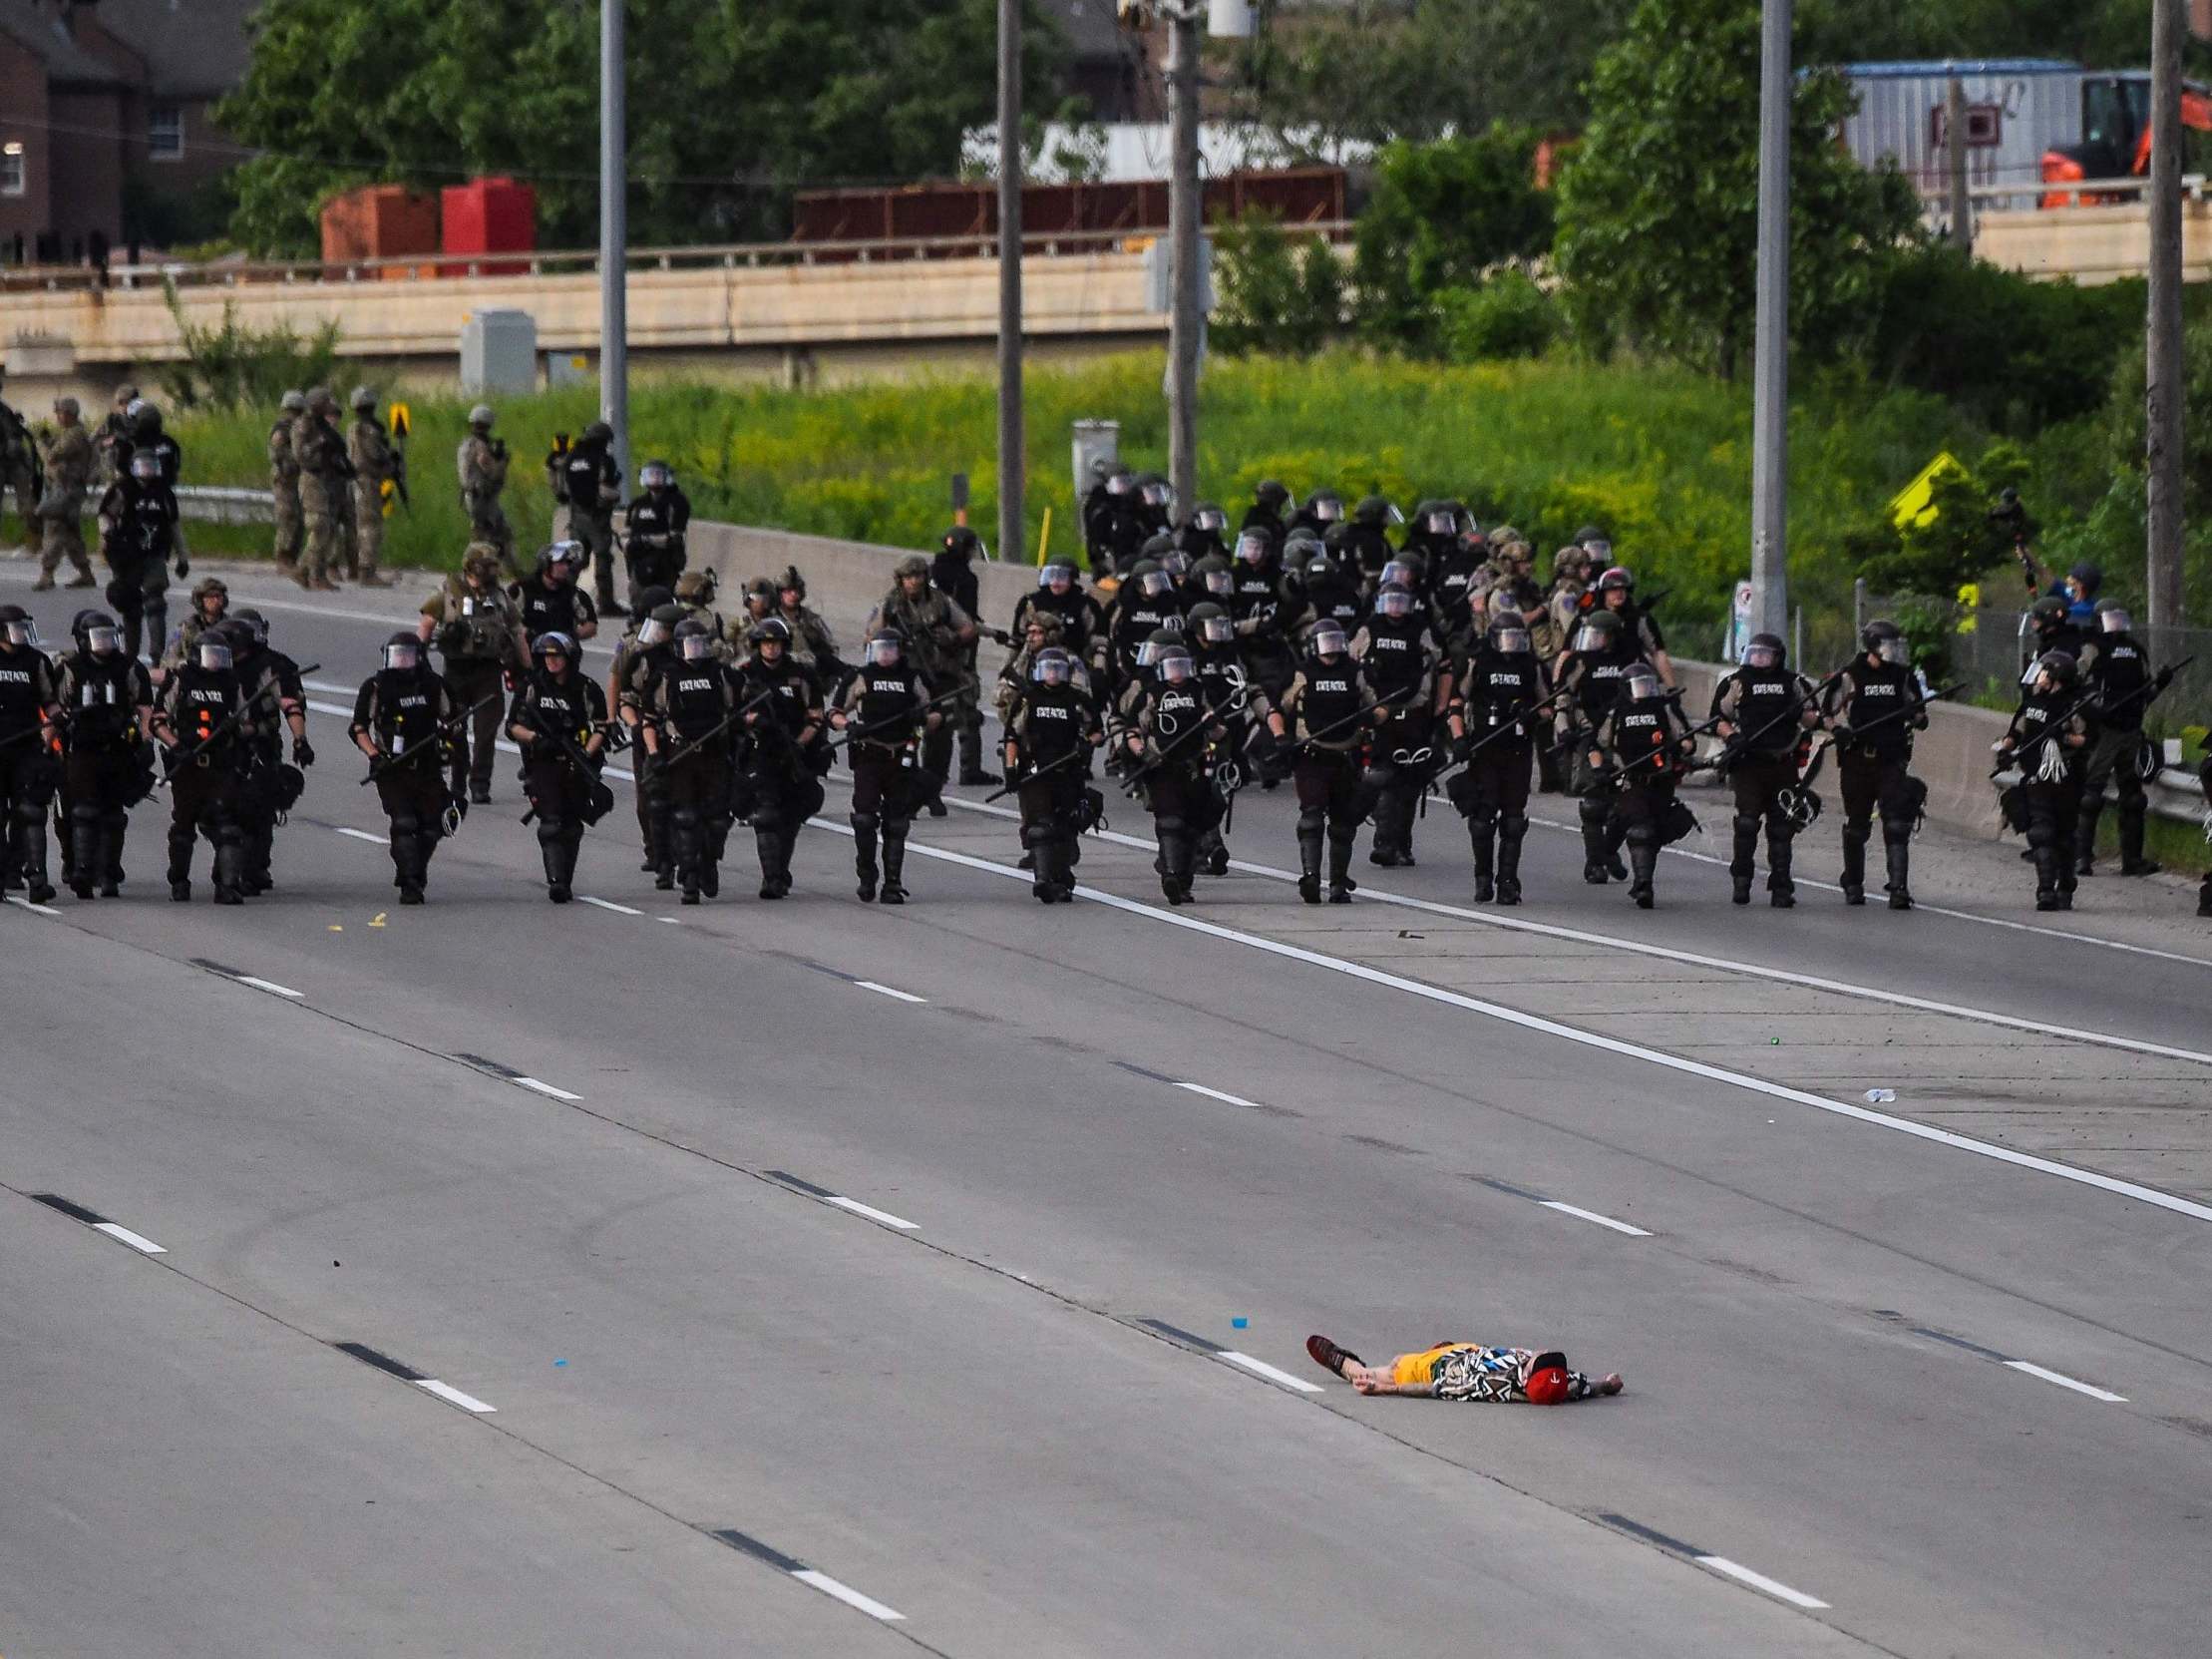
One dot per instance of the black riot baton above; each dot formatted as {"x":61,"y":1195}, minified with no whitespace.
{"x":890,"y":720}
{"x":383,"y":763}
{"x":1207,"y":717}
{"x":1354,"y":719}
{"x":1739,"y":747}
{"x":720,"y":727}
{"x":1048,"y":768}
{"x":172,"y":763}
{"x":1506,"y":731}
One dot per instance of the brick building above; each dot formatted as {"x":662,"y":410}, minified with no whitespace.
{"x":106,"y":133}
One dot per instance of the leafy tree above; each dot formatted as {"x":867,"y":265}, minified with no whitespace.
{"x":1507,"y":316}
{"x":1658,"y":206}
{"x":1441,"y":215}
{"x":732,"y":104}
{"x":1275,"y":297}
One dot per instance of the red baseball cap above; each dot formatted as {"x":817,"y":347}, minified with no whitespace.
{"x":1547,"y":1384}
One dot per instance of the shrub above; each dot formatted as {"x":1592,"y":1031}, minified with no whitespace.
{"x":1507,"y":316}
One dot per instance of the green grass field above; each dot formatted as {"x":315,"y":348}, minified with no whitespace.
{"x":1659,"y":457}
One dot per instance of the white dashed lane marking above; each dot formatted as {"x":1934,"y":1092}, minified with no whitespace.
{"x":100,"y":1223}
{"x":899,"y":1223}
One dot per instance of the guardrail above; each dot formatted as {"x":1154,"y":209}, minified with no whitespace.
{"x":2085,"y":193}
{"x":983,"y":245}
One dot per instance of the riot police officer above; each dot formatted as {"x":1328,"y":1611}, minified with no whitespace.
{"x":1329,"y":711}
{"x":648,"y":657}
{"x":1874,"y":705}
{"x":2118,"y":670}
{"x":1204,"y":532}
{"x":137,"y":526}
{"x":782,"y":786}
{"x":656,"y":526}
{"x":692,"y":736}
{"x":270,"y":785}
{"x":1212,"y":640}
{"x":29,"y":754}
{"x":558,"y":720}
{"x":481,"y":633}
{"x":1050,"y":733}
{"x":405,"y":721}
{"x":1592,"y":682}
{"x":1060,"y":591}
{"x":1168,"y":737}
{"x":1400,"y":658}
{"x":1269,"y":499}
{"x":1642,"y":746}
{"x":885,"y":711}
{"x":1495,"y":731}
{"x":548,"y":599}
{"x":105,"y":701}
{"x":204,"y":723}
{"x":1762,"y":711}
{"x":591,"y":485}
{"x":2050,"y":741}
{"x":1261,"y":611}
{"x":1330,"y":591}
{"x":1141,"y":607}
{"x":1367,"y":539}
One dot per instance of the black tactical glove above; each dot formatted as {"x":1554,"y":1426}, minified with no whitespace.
{"x":303,"y":752}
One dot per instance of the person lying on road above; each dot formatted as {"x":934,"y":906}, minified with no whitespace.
{"x":1465,"y":1371}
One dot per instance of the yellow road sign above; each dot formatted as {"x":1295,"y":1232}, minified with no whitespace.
{"x":1910,"y":507}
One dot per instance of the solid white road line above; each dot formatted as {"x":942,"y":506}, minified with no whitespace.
{"x":608,"y":904}
{"x":43,"y":910}
{"x":271,"y":987}
{"x":2066,"y":1382}
{"x":544,"y":1088}
{"x":1218,"y":1095}
{"x":1260,"y":1367}
{"x":453,"y":1397}
{"x":1592,"y":1215}
{"x":1725,"y":965}
{"x":1759,"y":1581}
{"x":850,"y":1596}
{"x":362,"y":835}
{"x":1595,"y":1039}
{"x":137,"y":1241}
{"x":873,"y":1213}
{"x":888,"y":991}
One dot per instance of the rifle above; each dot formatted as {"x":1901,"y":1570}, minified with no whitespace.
{"x":1898,"y":713}
{"x":705,"y":737}
{"x":601,"y":800}
{"x":893,"y":720}
{"x":1738,"y":746}
{"x":172,"y":763}
{"x":1207,"y":718}
{"x":383,"y":763}
{"x":1081,"y":751}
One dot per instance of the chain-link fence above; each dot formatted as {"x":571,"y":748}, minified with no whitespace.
{"x":1989,"y":650}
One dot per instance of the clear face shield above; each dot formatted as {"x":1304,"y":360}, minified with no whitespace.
{"x":1220,"y":582}
{"x":655,"y":477}
{"x":23,"y":632}
{"x":698,"y":648}
{"x":1600,"y":549}
{"x":402,"y":656}
{"x":883,"y":653}
{"x":1510,"y":641}
{"x":1758,"y":655}
{"x":1175,"y":664}
{"x":1117,"y":484}
{"x":1643,"y":685}
{"x":1398,"y":573}
{"x":1438,"y":524}
{"x":145,"y":468}
{"x":1210,"y":518}
{"x":1218,"y":631}
{"x":1328,"y":510}
{"x":1051,"y":668}
{"x":1897,"y":653}
{"x":1588,"y":638}
{"x":1057,"y":578}
{"x":1394,"y":602}
{"x":105,"y":641}
{"x":2114,"y":620}
{"x":1175,"y":563}
{"x":1329,"y":641}
{"x":215,"y":656}
{"x":652,"y":631}
{"x":1147,"y":652}
{"x":1158,"y":495}
{"x":1253,"y":550}
{"x":1157,"y":584}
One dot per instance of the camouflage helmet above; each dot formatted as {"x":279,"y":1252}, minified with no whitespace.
{"x":293,"y":403}
{"x":695,"y":588}
{"x":792,"y":579}
{"x":362,"y":398}
{"x":913,"y":565}
{"x":319,"y":399}
{"x":481,"y":415}
{"x":482,"y":561}
{"x":209,"y":585}
{"x":763,"y":588}
{"x":66,"y":406}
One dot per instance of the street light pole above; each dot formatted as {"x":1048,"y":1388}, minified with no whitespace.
{"x":1012,"y":460}
{"x":1185,"y":320}
{"x":1770,"y":349}
{"x":614,"y":382}
{"x":2163,"y":413}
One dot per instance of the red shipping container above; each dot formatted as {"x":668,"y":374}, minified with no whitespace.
{"x":378,"y":222}
{"x":489,"y":216}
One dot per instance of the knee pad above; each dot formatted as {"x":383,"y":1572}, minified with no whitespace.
{"x":1513,"y":825}
{"x":1642,"y":833}
{"x":406,"y":823}
{"x":551,"y":831}
{"x":1749,"y":825}
{"x":866,"y":823}
{"x":1034,"y":836}
{"x":2040,"y":834}
{"x":1312,"y":819}
{"x":85,"y":813}
{"x":1594,"y":809}
{"x":1169,"y":826}
{"x":1483,"y":820}
{"x":686,"y":817}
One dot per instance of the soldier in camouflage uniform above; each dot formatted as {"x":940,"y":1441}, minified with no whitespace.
{"x":197,"y":620}
{"x":480,"y":631}
{"x":67,"y":455}
{"x":321,"y":456}
{"x":375,"y":463}
{"x":481,"y":464}
{"x":938,"y":633}
{"x":284,"y":484}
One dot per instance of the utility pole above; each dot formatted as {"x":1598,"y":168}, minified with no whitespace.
{"x":1013,"y":532}
{"x":1954,"y":156}
{"x":615,"y":361}
{"x":2162,"y":412}
{"x":1770,"y":349}
{"x":1185,"y":318}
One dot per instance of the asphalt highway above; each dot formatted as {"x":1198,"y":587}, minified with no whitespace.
{"x":805,"y":1277}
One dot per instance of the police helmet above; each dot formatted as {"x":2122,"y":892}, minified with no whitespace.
{"x":1765,"y":650}
{"x":1272,"y":495}
{"x":2111,"y":617}
{"x":1118,"y":479}
{"x":213,"y":648}
{"x":2059,"y":664}
{"x":145,"y":466}
{"x":1643,"y":683}
{"x":1057,"y":574}
{"x":884,"y":647}
{"x":255,"y":625}
{"x":1252,"y":547}
{"x":1393,"y":598}
{"x":1050,"y":667}
{"x":17,"y":626}
{"x":1508,"y":636}
{"x":1174,"y":662}
{"x":961,"y":542}
{"x":656,"y":475}
{"x":559,"y":552}
{"x":1156,"y":491}
{"x":1215,"y":576}
{"x":102,"y":636}
{"x":652,"y":599}
{"x":694,"y":641}
{"x":2047,"y":612}
{"x":1618,"y":580}
{"x":913,"y":565}
{"x":146,"y":420}
{"x":1151,"y":579}
{"x":480,"y":416}
{"x":1375,"y":510}
{"x":551,"y":645}
{"x":1210,"y":622}
{"x":1883,"y":640}
{"x":769,"y":631}
{"x":1209,"y":515}
{"x":1600,"y":631}
{"x":1401,"y":572}
{"x":1326,"y":506}
{"x":403,"y":654}
{"x":1327,"y":638}
{"x":598,"y":432}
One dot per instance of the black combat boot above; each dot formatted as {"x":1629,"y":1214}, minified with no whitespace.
{"x":768,"y":844}
{"x":180,"y":843}
{"x":552,"y":850}
{"x":2133,"y":861}
{"x":1644,"y":860}
{"x":895,"y":863}
{"x":1340,"y":885}
{"x":1175,"y":866}
{"x":1511,"y":831}
{"x":1781,"y":892}
{"x":1484,"y":839}
{"x":31,"y":860}
{"x":1853,"y":879}
{"x":231,"y":871}
{"x":1898,"y":855}
{"x":2046,"y":877}
{"x":863,"y":855}
{"x":973,"y":775}
{"x":1310,"y":865}
{"x":1740,"y":869}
